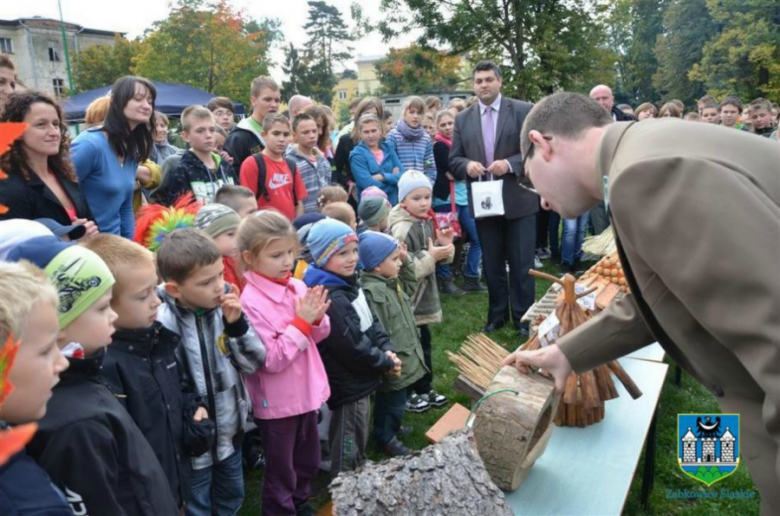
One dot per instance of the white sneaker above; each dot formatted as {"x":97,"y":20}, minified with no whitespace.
{"x":537,"y":263}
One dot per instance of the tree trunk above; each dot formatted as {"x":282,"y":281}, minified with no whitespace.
{"x":444,"y":479}
{"x":512,"y":428}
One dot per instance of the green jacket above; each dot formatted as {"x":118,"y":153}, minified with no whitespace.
{"x":415,"y":233}
{"x":390,"y":302}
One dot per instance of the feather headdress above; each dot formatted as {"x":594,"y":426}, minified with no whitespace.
{"x":156,"y":221}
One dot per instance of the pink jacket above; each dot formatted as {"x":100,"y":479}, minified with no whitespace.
{"x":293,"y":380}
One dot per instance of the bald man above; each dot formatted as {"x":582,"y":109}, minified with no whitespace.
{"x":297,"y":104}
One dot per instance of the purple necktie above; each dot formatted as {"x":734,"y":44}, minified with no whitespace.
{"x":488,"y":135}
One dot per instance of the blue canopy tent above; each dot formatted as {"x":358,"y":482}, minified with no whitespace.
{"x":171,"y":100}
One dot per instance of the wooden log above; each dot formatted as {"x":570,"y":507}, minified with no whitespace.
{"x":590,"y":391}
{"x":509,"y":429}
{"x":445,"y":478}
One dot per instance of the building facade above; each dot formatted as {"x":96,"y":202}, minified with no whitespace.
{"x":368,"y":82}
{"x":35,"y":46}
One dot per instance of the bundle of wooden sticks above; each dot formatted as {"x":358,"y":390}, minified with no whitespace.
{"x":479,"y":359}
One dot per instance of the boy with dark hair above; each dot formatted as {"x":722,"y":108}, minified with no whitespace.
{"x":761,"y":115}
{"x":312,"y":164}
{"x":223,"y":111}
{"x":142,"y":370}
{"x":357,"y":353}
{"x":87,"y":442}
{"x":705,"y":100}
{"x":274,"y":179}
{"x":217,"y":344}
{"x":708,"y":113}
{"x":246,"y":138}
{"x":729,"y":110}
{"x":239,"y":198}
{"x":201,"y":170}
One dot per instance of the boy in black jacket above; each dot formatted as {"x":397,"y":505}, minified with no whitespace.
{"x":358,"y":351}
{"x":142,"y":370}
{"x":87,"y":442}
{"x":201,"y":170}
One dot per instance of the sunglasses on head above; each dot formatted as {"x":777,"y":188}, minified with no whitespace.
{"x":522,"y":178}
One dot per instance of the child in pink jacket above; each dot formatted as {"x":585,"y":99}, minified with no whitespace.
{"x":290,"y":319}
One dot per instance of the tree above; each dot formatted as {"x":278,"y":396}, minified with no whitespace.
{"x":744,"y":57}
{"x":543,"y":45}
{"x":688,"y":26}
{"x":327,"y":33}
{"x":100,"y":65}
{"x":416,"y":69}
{"x":640,"y":60}
{"x":208,"y":46}
{"x":294,"y":69}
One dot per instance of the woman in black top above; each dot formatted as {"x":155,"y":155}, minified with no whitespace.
{"x":41,"y":181}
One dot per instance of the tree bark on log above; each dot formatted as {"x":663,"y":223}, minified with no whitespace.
{"x":512,"y":428}
{"x":447,"y":478}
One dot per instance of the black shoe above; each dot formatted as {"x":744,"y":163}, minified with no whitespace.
{"x":254,"y":460}
{"x":396,"y":448}
{"x":448,"y":286}
{"x":573,"y":268}
{"x":472,"y":284}
{"x":434,"y":399}
{"x":304,"y":509}
{"x":493,"y":326}
{"x":522,"y":331}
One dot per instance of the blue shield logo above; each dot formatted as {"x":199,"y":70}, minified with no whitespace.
{"x":708,"y":445}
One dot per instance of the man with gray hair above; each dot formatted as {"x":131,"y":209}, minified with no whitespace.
{"x":685,"y":201}
{"x":297,"y":104}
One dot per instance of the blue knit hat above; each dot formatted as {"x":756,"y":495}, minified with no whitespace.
{"x":326,"y":237}
{"x":80,"y":276}
{"x":374,"y":248}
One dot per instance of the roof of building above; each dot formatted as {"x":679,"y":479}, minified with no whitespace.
{"x":689,"y":435}
{"x":39,"y":21}
{"x":727,"y":435}
{"x":369,"y":59}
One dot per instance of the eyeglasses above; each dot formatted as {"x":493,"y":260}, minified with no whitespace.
{"x":221,"y":112}
{"x":522,"y":178}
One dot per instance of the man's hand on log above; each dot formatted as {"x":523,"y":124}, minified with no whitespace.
{"x":550,"y":358}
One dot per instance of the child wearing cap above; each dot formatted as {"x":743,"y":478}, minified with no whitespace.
{"x":412,"y":222}
{"x":216,"y":345}
{"x":221,"y":224}
{"x":87,"y":442}
{"x":142,"y":370}
{"x":28,"y":318}
{"x":387,"y":278}
{"x":358,"y":353}
{"x":373,"y":212}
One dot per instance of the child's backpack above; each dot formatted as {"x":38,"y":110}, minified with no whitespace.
{"x":261,"y":173}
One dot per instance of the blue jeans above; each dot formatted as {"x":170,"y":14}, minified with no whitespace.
{"x":469,"y":228}
{"x":573,"y":236}
{"x":218,"y":489}
{"x":388,"y":415}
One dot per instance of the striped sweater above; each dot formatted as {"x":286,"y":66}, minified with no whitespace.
{"x":414,"y":154}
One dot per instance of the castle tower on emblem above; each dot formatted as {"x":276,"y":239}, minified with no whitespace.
{"x":727,"y":446}
{"x":689,"y":446}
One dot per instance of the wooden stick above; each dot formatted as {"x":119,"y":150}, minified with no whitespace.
{"x":625,"y":379}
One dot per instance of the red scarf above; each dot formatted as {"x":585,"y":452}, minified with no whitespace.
{"x":279,"y":281}
{"x":233,"y":274}
{"x":428,"y":216}
{"x":439,"y":138}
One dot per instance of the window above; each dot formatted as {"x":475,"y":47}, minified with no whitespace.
{"x":54,"y":53}
{"x":59,"y":86}
{"x":342,"y":94}
{"x":6,"y":46}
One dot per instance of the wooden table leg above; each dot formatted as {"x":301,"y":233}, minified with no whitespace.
{"x":648,"y":476}
{"x":677,"y":375}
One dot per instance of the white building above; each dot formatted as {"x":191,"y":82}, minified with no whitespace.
{"x":35,"y":46}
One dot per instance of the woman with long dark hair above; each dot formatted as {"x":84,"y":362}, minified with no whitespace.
{"x":106,"y":157}
{"x":41,"y":181}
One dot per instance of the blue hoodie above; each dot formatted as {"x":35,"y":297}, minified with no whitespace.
{"x":364,"y":166}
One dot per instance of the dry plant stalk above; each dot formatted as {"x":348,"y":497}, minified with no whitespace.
{"x":601,"y":244}
{"x":479,"y":359}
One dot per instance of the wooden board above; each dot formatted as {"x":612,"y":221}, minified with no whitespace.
{"x":589,"y":470}
{"x":454,"y":419}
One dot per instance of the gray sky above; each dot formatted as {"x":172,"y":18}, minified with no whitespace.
{"x":135,"y":16}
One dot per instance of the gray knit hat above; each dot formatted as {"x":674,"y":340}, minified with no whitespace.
{"x":412,"y":180}
{"x":215,"y":219}
{"x":373,"y":209}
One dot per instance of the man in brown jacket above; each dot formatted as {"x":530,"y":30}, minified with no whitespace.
{"x":696,"y":214}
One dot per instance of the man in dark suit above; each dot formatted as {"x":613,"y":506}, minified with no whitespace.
{"x":486,"y":147}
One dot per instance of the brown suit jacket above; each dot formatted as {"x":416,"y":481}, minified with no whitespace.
{"x":696,"y":213}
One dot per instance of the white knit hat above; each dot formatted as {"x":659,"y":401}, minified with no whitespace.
{"x":411,"y":180}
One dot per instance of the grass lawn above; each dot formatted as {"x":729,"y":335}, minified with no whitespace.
{"x":466,"y":315}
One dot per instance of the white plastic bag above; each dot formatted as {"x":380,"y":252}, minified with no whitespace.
{"x":488,"y":198}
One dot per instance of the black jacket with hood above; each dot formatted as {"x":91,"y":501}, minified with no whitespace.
{"x":243,"y":141}
{"x":192,"y":175}
{"x":354,"y":352}
{"x":95,"y":453}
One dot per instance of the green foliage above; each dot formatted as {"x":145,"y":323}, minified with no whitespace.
{"x":101,"y":65}
{"x":416,"y":70}
{"x":688,"y":26}
{"x":208,"y":46}
{"x":542,"y":45}
{"x":640,"y":62}
{"x":744,"y":57}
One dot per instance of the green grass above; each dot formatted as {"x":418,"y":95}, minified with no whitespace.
{"x":466,"y":315}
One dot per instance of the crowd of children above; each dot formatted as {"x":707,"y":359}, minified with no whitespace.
{"x":274,"y":288}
